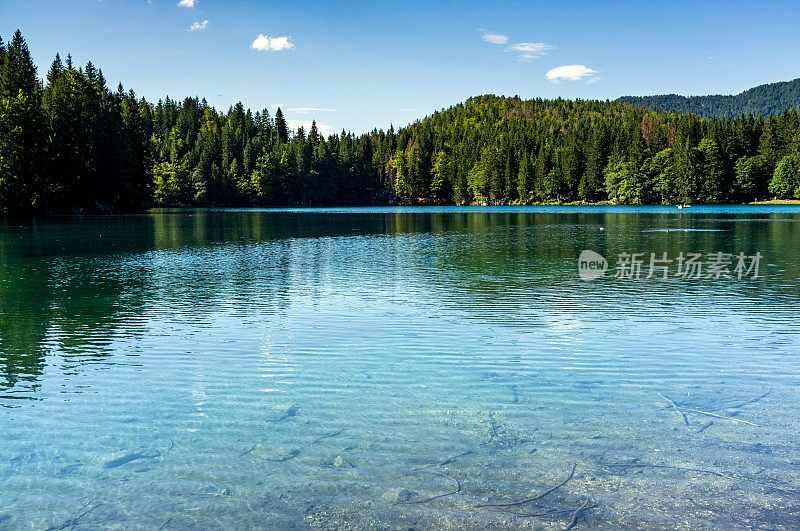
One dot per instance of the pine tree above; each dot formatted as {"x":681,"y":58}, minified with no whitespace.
{"x":22,"y":133}
{"x":280,"y":127}
{"x":56,"y":68}
{"x":750,"y":178}
{"x":712,"y":176}
{"x":524,"y":179}
{"x":786,"y":179}
{"x":72,"y":109}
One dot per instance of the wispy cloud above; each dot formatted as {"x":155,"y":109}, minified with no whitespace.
{"x":531,"y":47}
{"x":407,"y":109}
{"x":571,"y":73}
{"x":271,"y":44}
{"x":493,"y":38}
{"x":197,"y":26}
{"x":324,"y":130}
{"x":529,"y":51}
{"x":304,"y":110}
{"x":187,"y":3}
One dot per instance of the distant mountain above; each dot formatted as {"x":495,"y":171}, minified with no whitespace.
{"x":764,"y":100}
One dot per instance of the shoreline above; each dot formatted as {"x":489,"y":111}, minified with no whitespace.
{"x":177,"y":209}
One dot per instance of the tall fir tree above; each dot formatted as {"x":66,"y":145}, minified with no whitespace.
{"x":22,"y":133}
{"x":280,"y":127}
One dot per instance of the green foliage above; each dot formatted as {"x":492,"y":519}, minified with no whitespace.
{"x":625,"y":182}
{"x":71,"y":144}
{"x":714,"y":187}
{"x":21,"y":130}
{"x":786,"y":179}
{"x":442,"y":177}
{"x":12,"y":117}
{"x":750,"y":176}
{"x":764,"y":100}
{"x":664,"y":171}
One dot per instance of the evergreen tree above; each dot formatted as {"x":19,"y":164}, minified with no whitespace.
{"x":55,"y":70}
{"x":73,"y":144}
{"x":714,"y":185}
{"x":524,"y":180}
{"x":786,"y":178}
{"x":22,"y":133}
{"x":280,"y":127}
{"x":750,"y":179}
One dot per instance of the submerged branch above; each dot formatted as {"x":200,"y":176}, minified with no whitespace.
{"x":445,"y":462}
{"x":676,"y":408}
{"x":456,"y":491}
{"x":534,"y":498}
{"x":572,"y":523}
{"x":700,"y":412}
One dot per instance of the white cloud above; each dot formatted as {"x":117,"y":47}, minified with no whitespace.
{"x":186,"y":3}
{"x":324,"y":130}
{"x":493,"y":38}
{"x":531,"y":47}
{"x":198,"y":26}
{"x":304,"y":110}
{"x":530,"y":50}
{"x":570,"y":72}
{"x":273,"y":44}
{"x":407,"y":109}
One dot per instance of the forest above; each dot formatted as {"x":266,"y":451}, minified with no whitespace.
{"x":764,"y":100}
{"x":69,"y":143}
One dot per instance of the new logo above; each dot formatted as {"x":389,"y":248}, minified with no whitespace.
{"x":591,"y":265}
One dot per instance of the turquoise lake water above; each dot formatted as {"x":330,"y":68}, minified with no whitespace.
{"x":399,"y":368}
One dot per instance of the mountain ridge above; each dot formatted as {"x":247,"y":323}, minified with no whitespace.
{"x":762,"y":100}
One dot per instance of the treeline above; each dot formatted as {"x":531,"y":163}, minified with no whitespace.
{"x":495,"y":150}
{"x":69,"y":143}
{"x":763,"y":100}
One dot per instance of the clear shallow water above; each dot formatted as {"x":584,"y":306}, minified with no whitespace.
{"x":340,"y":368}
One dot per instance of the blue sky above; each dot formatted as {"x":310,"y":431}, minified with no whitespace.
{"x":365,"y":64}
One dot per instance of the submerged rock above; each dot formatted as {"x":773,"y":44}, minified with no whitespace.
{"x":283,"y":414}
{"x":284,"y":455}
{"x":399,"y":495}
{"x":341,"y":462}
{"x":127,"y":458}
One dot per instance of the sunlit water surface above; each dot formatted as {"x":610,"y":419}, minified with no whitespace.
{"x":397,"y":368}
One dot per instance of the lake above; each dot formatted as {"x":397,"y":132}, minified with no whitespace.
{"x":401,"y":368}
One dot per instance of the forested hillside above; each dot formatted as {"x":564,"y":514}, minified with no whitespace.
{"x":498,"y":150}
{"x":763,"y":100}
{"x":68,"y":143}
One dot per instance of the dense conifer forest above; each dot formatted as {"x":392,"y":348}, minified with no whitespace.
{"x":763,"y":100}
{"x":69,"y":143}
